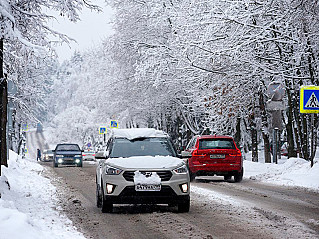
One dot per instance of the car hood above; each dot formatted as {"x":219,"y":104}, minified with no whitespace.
{"x":68,"y":152}
{"x":145,"y":162}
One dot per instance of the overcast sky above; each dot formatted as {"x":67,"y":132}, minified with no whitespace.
{"x":88,"y":32}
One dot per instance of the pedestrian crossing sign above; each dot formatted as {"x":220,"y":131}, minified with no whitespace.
{"x":309,"y":99}
{"x":102,"y":130}
{"x":114,"y":124}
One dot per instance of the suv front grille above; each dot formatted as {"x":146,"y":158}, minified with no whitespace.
{"x":164,"y":175}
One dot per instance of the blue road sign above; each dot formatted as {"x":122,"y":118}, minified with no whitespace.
{"x":25,"y":127}
{"x":309,"y":96}
{"x":114,"y":124}
{"x":89,"y":145}
{"x":102,"y":130}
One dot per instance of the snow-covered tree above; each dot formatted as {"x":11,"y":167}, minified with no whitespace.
{"x":24,"y":37}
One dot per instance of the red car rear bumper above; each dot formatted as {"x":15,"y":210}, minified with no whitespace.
{"x":215,"y":168}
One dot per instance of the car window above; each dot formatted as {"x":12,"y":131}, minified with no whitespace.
{"x":216,"y":144}
{"x":67,"y":147}
{"x":141,"y":147}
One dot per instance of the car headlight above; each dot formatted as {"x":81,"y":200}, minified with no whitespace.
{"x":112,"y":170}
{"x":181,"y":170}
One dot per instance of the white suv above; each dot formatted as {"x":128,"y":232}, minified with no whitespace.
{"x":140,"y":166}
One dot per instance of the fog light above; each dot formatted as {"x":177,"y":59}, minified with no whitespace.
{"x":184,"y":188}
{"x":109,"y":188}
{"x":77,"y":160}
{"x":60,"y":160}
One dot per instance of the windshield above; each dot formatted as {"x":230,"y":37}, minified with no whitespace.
{"x":142,"y":147}
{"x":67,"y":147}
{"x":216,"y":144}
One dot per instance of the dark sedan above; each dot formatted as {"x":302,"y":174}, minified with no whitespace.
{"x":67,"y":154}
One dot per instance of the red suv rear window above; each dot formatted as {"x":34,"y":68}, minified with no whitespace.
{"x":216,"y":144}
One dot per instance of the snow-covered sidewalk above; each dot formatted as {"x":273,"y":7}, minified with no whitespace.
{"x":288,"y":172}
{"x":29,"y":209}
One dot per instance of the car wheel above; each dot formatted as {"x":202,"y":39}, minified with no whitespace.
{"x":239,"y":176}
{"x":106,"y":206}
{"x":184,"y":206}
{"x":98,"y":196}
{"x":55,"y":164}
{"x":227,"y":177}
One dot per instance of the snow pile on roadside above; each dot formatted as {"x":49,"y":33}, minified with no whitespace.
{"x":27,"y":207}
{"x":289,"y":172}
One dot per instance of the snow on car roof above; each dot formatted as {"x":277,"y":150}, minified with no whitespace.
{"x":135,"y":133}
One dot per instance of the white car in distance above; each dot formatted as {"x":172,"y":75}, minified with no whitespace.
{"x":88,"y":155}
{"x":140,"y":166}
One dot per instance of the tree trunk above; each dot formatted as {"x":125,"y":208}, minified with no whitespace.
{"x":3,"y":111}
{"x":254,"y":141}
{"x":237,"y":136}
{"x":264,"y":123}
{"x":289,"y":126}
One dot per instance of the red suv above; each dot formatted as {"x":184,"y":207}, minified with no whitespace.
{"x":214,"y":155}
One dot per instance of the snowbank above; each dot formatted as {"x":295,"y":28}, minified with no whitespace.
{"x":288,"y":172}
{"x":27,"y":206}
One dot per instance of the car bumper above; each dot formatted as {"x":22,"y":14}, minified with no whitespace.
{"x":218,"y":168}
{"x":130,"y":196}
{"x":88,"y":158}
{"x":69,"y":162}
{"x":124,"y":191}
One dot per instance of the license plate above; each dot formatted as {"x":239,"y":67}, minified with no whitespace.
{"x":68,"y":159}
{"x":147,"y":187}
{"x":217,"y":156}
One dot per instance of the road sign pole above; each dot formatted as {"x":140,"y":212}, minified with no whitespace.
{"x":279,"y":144}
{"x":274,"y":145}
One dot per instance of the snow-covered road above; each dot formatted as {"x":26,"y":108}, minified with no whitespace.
{"x":60,"y":203}
{"x":219,"y":209}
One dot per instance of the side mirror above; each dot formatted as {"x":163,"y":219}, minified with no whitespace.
{"x":106,"y":154}
{"x":99,"y":155}
{"x":102,"y":154}
{"x":186,"y":154}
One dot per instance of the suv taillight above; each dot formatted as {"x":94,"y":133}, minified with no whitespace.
{"x":198,"y":154}
{"x":236,"y":154}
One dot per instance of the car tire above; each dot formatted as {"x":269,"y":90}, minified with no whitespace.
{"x":227,"y":177}
{"x":55,"y":164}
{"x":106,"y":206}
{"x":239,"y":176}
{"x":183,"y":206}
{"x":98,"y":196}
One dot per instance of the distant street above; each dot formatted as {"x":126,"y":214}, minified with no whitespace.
{"x":218,"y":209}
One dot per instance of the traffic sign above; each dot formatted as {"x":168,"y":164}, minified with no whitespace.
{"x":89,"y":145}
{"x":309,"y":96}
{"x":114,"y":124}
{"x":25,"y":127}
{"x":102,"y":130}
